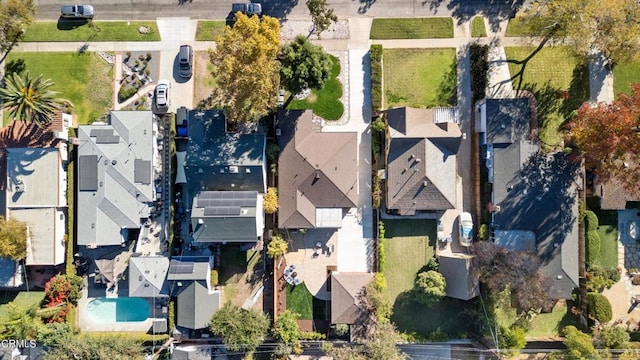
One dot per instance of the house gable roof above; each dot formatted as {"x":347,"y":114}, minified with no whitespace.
{"x":227,"y":216}
{"x":421,"y":161}
{"x":316,"y":170}
{"x":221,"y":160}
{"x":196,"y":305}
{"x":115,"y":184}
{"x":536,"y":192}
{"x":347,"y":289}
{"x":147,"y":275}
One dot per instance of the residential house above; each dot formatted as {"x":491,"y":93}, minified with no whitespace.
{"x":613,"y":195}
{"x":147,"y":276}
{"x":115,"y":178}
{"x":348,"y":303}
{"x":227,"y":216}
{"x":189,"y":280}
{"x":533,"y":199}
{"x":460,"y":274}
{"x":421,"y":161}
{"x":36,"y":194}
{"x":317,"y":173}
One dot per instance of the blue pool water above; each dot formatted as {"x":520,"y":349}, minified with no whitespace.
{"x":103,"y":310}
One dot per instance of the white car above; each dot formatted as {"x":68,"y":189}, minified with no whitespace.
{"x":161,"y":95}
{"x":466,"y":229}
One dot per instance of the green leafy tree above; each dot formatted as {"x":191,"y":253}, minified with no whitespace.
{"x":240,"y":330}
{"x":612,"y":337}
{"x":15,"y":15}
{"x":285,"y":329}
{"x":22,"y":323}
{"x":304,"y":65}
{"x":277,"y":246}
{"x":246,"y":68}
{"x":382,"y":345}
{"x":55,"y":334}
{"x":29,"y":99}
{"x":321,"y":17}
{"x":13,"y":238}
{"x":91,"y":347}
{"x":587,"y":26}
{"x":579,"y":346}
{"x":429,"y":287}
{"x":512,"y":340}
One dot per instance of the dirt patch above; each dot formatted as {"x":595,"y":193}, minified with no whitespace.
{"x":244,"y":284}
{"x":203,"y":80}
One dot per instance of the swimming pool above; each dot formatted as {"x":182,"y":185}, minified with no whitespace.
{"x":103,"y":310}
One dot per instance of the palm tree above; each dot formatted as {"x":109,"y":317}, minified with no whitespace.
{"x":28,"y":98}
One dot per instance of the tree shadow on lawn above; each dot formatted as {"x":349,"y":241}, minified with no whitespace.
{"x":447,"y":316}
{"x":66,"y":24}
{"x":447,"y":93}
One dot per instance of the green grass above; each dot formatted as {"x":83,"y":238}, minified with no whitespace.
{"x":209,"y":30}
{"x":624,"y":75}
{"x":234,"y":263}
{"x":551,"y":324}
{"x":91,"y":31}
{"x":517,"y":28}
{"x":300,"y":300}
{"x":417,"y":28}
{"x":608,"y":231}
{"x":419,"y":77}
{"x":23,"y":298}
{"x":477,"y":27}
{"x":409,"y":245}
{"x":84,"y":79}
{"x":553,"y":73}
{"x":325,"y":102}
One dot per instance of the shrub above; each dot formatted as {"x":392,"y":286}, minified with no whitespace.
{"x":311,"y":335}
{"x":378,"y":125}
{"x":591,"y":220}
{"x":376,"y":192}
{"x":379,"y":281}
{"x":613,"y":337}
{"x":581,"y":210}
{"x":172,"y":315}
{"x":270,"y":204}
{"x":479,"y":70}
{"x":513,"y":340}
{"x":429,"y":287}
{"x":126,"y":92}
{"x":214,"y":278}
{"x":483,"y":232}
{"x":375,"y":54}
{"x":597,"y":283}
{"x":593,"y":246}
{"x":599,"y":307}
{"x":432,"y":264}
{"x":382,"y":260}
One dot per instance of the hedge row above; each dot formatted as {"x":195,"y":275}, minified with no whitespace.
{"x":592,"y":239}
{"x":479,"y":70}
{"x":591,"y":220}
{"x":375,"y":54}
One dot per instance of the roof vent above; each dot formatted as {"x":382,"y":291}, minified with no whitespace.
{"x":200,"y":221}
{"x":221,"y":171}
{"x":317,"y":176}
{"x":248,"y":171}
{"x":503,"y":126}
{"x":559,"y":277}
{"x":20,"y":187}
{"x":425,"y":183}
{"x":114,"y":162}
{"x":233,"y":169}
{"x":498,"y":208}
{"x":418,"y":160}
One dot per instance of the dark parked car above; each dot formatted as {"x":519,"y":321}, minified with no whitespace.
{"x":185,"y":61}
{"x":247,"y":8}
{"x":77,"y":11}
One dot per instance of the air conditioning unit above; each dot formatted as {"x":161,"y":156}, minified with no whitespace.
{"x":20,"y":188}
{"x":278,"y":132}
{"x":233,"y":169}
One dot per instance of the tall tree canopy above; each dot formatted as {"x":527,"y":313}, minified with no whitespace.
{"x":13,"y":238}
{"x":381,"y":345}
{"x":429,"y":287}
{"x":29,"y":99}
{"x":102,"y":346}
{"x":15,"y":15}
{"x":608,"y":136}
{"x":285,"y":329}
{"x":246,"y":69}
{"x":304,"y":65}
{"x":588,"y":26}
{"x":241,"y":330}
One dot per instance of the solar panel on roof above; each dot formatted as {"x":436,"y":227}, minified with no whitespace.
{"x":88,"y":167}
{"x":178,"y":267}
{"x":222,"y":211}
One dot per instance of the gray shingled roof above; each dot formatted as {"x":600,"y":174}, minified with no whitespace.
{"x":536,"y":192}
{"x":460,"y":274}
{"x":347,"y":291}
{"x":114,"y":189}
{"x":196,"y":305}
{"x":147,"y":275}
{"x":214,"y":155}
{"x":189,"y":268}
{"x":421,"y":161}
{"x":315,"y":170}
{"x":227,"y":216}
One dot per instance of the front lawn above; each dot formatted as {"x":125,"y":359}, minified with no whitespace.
{"x":91,"y":31}
{"x":23,"y":299}
{"x":420,"y":77}
{"x":624,"y":75}
{"x":300,"y":300}
{"x":209,"y":30}
{"x":84,"y":79}
{"x":416,"y":28}
{"x":560,"y":83}
{"x":608,"y":231}
{"x":517,"y":28}
{"x":325,"y":102}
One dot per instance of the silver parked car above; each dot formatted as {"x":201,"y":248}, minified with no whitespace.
{"x":77,"y":11}
{"x":161,"y":95}
{"x":466,"y":229}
